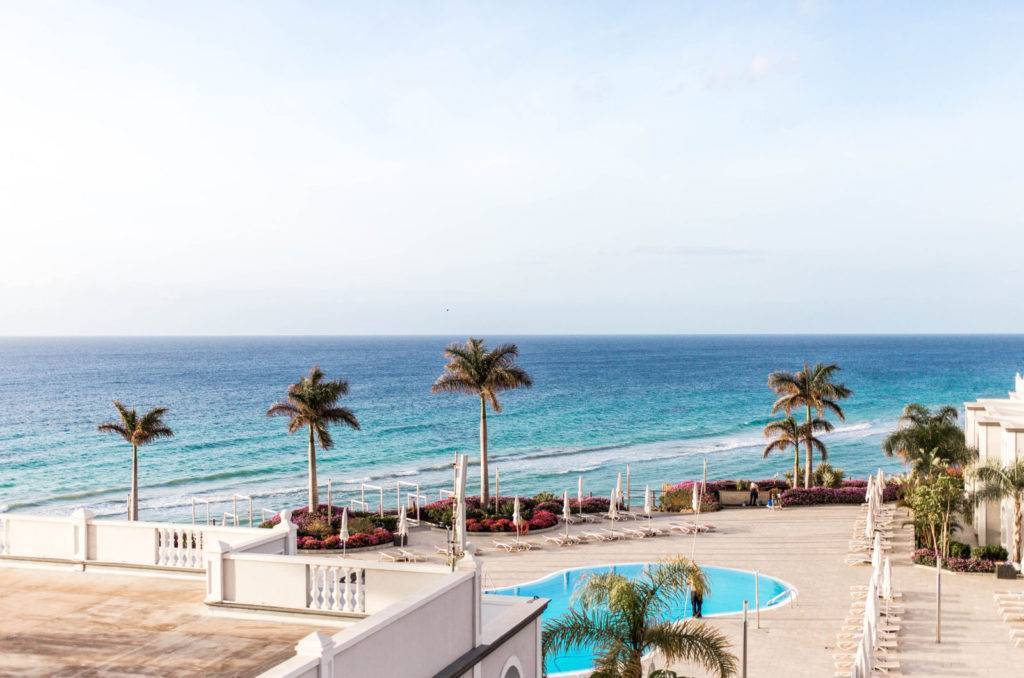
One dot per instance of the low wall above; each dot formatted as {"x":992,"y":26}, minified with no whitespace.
{"x":82,"y":540}
{"x":419,"y":635}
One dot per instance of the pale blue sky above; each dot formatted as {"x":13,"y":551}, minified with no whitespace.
{"x":212,"y":168}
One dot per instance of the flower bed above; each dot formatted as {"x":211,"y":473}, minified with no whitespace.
{"x":972,"y":565}
{"x":318,"y":532}
{"x":848,"y":494}
{"x":536,"y":515}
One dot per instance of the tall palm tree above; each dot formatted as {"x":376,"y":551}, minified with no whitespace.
{"x":998,"y":482}
{"x":137,"y":431}
{"x":313,"y":402}
{"x":921,"y":429}
{"x":785,"y":433}
{"x":472,"y":369}
{"x":624,"y":619}
{"x":813,"y":389}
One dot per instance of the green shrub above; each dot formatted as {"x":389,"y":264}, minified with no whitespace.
{"x":315,"y":526}
{"x":545,"y":496}
{"x":742,"y":485}
{"x":674,"y":501}
{"x":991,"y":552}
{"x":827,"y":475}
{"x":959,"y":550}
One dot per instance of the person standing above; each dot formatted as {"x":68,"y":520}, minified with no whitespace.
{"x":753,"y":494}
{"x":697,"y":602}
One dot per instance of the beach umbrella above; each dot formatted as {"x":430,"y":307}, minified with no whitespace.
{"x":566,"y":511}
{"x":344,"y":535}
{"x":869,"y":490}
{"x":695,"y":498}
{"x":613,"y":509}
{"x":460,"y":525}
{"x":579,"y":493}
{"x":648,"y":501}
{"x":618,"y":489}
{"x":403,"y":524}
{"x":628,"y":493}
{"x":517,"y":519}
{"x":869,"y":524}
{"x":887,"y":579}
{"x":876,"y":559}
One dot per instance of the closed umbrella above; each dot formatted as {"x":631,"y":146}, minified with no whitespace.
{"x":566,"y":511}
{"x":695,"y":498}
{"x":579,"y":494}
{"x":344,"y":535}
{"x":648,"y":501}
{"x":887,"y":579}
{"x":403,"y":526}
{"x":613,"y":508}
{"x":460,"y":526}
{"x":517,"y":519}
{"x":618,"y":489}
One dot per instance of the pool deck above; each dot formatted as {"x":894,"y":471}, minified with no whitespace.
{"x":805,"y":547}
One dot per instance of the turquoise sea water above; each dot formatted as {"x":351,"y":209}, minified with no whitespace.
{"x":729,"y":588}
{"x":660,"y":404}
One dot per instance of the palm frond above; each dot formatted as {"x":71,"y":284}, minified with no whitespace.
{"x":694,"y":642}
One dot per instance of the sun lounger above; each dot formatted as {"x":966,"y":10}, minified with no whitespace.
{"x":613,"y":534}
{"x":562,"y":540}
{"x":401,"y":556}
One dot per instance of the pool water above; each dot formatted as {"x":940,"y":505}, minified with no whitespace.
{"x":729,"y":588}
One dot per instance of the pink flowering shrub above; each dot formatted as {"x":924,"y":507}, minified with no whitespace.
{"x":927,"y":557}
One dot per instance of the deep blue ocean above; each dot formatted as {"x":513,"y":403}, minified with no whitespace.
{"x":659,"y":404}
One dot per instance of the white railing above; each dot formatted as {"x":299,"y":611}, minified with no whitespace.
{"x":337,"y":589}
{"x":80,"y":539}
{"x":312,"y":583}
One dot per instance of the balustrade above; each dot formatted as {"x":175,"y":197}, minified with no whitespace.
{"x":180,"y":547}
{"x":336,"y":588}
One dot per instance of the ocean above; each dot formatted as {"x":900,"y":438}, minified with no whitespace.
{"x":662,"y":404}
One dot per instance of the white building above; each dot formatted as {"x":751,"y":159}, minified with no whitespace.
{"x":384,"y":619}
{"x":995,"y":426}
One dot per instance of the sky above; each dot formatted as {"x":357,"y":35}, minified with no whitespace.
{"x":494,"y":167}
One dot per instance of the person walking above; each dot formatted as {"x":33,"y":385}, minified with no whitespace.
{"x":753,"y":494}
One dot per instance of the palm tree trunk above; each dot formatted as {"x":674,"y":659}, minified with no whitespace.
{"x":796,"y":463}
{"x":484,"y":493}
{"x":134,"y":507}
{"x":809,"y":470}
{"x":314,"y":499}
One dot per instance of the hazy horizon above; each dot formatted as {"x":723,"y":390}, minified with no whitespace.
{"x":586,"y":168}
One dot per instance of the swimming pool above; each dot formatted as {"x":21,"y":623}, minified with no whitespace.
{"x":729,"y":588}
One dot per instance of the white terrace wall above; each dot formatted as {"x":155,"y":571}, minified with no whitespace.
{"x":316,"y":583}
{"x":83,"y":540}
{"x":419,"y":636}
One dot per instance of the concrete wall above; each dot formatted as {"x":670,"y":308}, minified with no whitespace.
{"x":418,"y":638}
{"x":521,"y":650}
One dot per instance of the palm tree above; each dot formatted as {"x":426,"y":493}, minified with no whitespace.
{"x":472,"y":369}
{"x":137,"y":431}
{"x":313,"y":402}
{"x":921,"y":429}
{"x":624,"y":619}
{"x":1003,"y":482}
{"x":813,"y":389}
{"x":786,"y":433}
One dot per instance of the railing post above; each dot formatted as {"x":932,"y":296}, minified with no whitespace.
{"x":213,"y":557}
{"x":80,"y":529}
{"x":286,"y":524}
{"x":318,"y":646}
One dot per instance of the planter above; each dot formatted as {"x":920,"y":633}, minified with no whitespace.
{"x":740,"y":497}
{"x":557,"y":526}
{"x":1006,"y":571}
{"x":338,"y":552}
